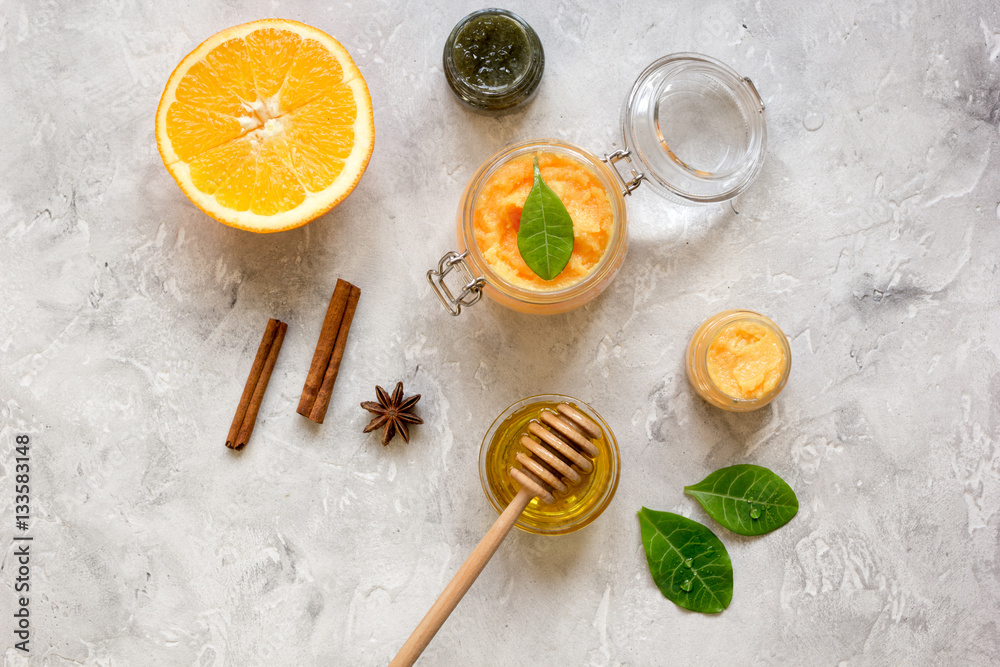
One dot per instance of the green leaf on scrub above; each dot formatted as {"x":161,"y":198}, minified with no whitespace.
{"x":545,"y":236}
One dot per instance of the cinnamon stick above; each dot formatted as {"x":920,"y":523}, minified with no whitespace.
{"x":253,"y":391}
{"x":329,"y":353}
{"x":318,"y":411}
{"x":324,"y":347}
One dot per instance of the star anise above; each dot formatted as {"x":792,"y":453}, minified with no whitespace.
{"x":393,"y":413}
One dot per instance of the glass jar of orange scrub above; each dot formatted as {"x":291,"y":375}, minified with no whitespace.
{"x":692,"y":127}
{"x":738,"y":360}
{"x":574,"y":508}
{"x":489,"y":218}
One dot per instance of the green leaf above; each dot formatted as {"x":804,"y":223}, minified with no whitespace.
{"x":746,"y":499}
{"x":545,"y":237}
{"x":689,"y":564}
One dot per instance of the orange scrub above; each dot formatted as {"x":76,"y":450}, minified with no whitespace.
{"x":746,"y":360}
{"x":497,"y":218}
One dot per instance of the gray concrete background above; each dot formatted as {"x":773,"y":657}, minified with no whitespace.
{"x":129,"y":321}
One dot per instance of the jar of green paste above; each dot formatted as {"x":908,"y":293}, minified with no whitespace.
{"x":493,"y":61}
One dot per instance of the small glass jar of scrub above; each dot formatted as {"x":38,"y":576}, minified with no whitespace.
{"x":576,"y":507}
{"x":493,"y":61}
{"x":738,"y":360}
{"x":692,"y":127}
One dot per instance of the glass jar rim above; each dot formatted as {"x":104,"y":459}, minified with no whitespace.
{"x":616,"y":244}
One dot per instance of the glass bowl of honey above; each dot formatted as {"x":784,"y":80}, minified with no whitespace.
{"x":575,"y":508}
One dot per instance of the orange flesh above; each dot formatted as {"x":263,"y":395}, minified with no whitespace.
{"x":262,"y":172}
{"x":497,"y":218}
{"x":746,"y":360}
{"x":266,"y":125}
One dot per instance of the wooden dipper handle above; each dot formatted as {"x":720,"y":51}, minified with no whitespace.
{"x":559,"y":457}
{"x":461,"y":582}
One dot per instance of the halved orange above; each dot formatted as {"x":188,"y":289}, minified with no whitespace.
{"x":266,"y":125}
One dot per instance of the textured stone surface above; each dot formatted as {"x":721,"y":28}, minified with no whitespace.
{"x":129,"y":321}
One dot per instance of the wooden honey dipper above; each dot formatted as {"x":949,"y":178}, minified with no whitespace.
{"x":557,"y":460}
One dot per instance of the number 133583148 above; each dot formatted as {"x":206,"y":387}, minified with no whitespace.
{"x":22,"y":478}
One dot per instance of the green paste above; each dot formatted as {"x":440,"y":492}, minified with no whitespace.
{"x":491,"y":52}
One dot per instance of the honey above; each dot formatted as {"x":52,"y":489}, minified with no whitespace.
{"x":578,"y":505}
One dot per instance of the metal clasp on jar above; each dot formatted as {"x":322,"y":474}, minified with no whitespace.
{"x":635,"y":176}
{"x":472,"y":287}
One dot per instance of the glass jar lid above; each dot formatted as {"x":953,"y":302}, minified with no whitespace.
{"x":696,"y":128}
